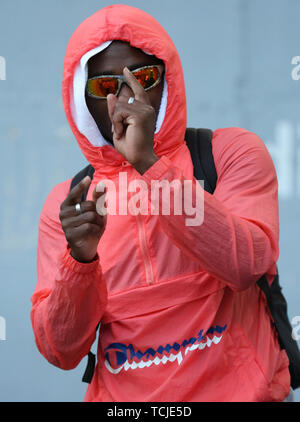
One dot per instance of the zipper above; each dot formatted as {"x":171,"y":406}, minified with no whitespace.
{"x":144,"y":250}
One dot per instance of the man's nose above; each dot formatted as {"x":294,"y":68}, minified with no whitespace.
{"x":125,"y":91}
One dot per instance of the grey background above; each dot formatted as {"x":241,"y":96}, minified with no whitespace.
{"x":236,"y":56}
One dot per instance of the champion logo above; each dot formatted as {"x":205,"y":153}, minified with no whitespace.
{"x":119,"y":356}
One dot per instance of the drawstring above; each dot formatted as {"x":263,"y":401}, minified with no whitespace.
{"x":101,"y":154}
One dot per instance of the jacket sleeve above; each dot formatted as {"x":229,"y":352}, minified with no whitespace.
{"x":70,"y":297}
{"x":237,"y":239}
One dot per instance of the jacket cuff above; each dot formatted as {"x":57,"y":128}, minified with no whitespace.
{"x":78,"y":267}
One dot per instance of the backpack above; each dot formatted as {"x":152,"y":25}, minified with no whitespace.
{"x":199,"y":144}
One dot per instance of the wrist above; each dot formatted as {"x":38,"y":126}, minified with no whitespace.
{"x":85,"y":259}
{"x":143,"y":165}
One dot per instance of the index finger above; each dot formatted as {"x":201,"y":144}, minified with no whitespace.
{"x":139,"y":92}
{"x":76,"y":193}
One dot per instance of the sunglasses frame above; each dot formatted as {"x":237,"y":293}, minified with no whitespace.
{"x":121,"y":80}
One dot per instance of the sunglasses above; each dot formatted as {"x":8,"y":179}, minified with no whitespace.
{"x":103,"y":85}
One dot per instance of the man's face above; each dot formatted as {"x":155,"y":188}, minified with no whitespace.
{"x":112,"y":61}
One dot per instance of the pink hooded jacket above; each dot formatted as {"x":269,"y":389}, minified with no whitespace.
{"x":182,"y":318}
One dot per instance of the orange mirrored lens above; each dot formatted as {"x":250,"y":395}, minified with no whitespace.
{"x":101,"y":87}
{"x":147,"y":77}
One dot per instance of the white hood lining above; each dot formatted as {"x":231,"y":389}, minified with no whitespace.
{"x":80,"y":113}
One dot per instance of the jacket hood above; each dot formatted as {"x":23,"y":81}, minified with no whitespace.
{"x":140,"y":30}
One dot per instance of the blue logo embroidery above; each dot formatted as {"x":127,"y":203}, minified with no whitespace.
{"x":120,"y":356}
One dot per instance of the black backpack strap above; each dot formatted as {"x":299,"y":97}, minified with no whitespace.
{"x":90,"y":368}
{"x":87,"y":171}
{"x":278,"y":309}
{"x":199,"y":144}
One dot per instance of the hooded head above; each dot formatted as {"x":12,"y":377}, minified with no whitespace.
{"x":142,"y":31}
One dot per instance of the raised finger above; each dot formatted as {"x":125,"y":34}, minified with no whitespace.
{"x":139,"y":92}
{"x":111,"y":104}
{"x":76,"y":193}
{"x":100,"y":189}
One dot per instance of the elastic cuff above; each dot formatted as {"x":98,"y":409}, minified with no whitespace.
{"x":76,"y":266}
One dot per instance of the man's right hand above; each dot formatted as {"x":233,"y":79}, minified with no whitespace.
{"x":82,"y":230}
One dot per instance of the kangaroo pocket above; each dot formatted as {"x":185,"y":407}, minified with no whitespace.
{"x":161,"y":352}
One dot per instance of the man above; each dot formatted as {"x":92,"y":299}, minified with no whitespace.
{"x":182,"y":318}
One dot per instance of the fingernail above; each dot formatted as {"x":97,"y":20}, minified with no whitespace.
{"x":100,"y":187}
